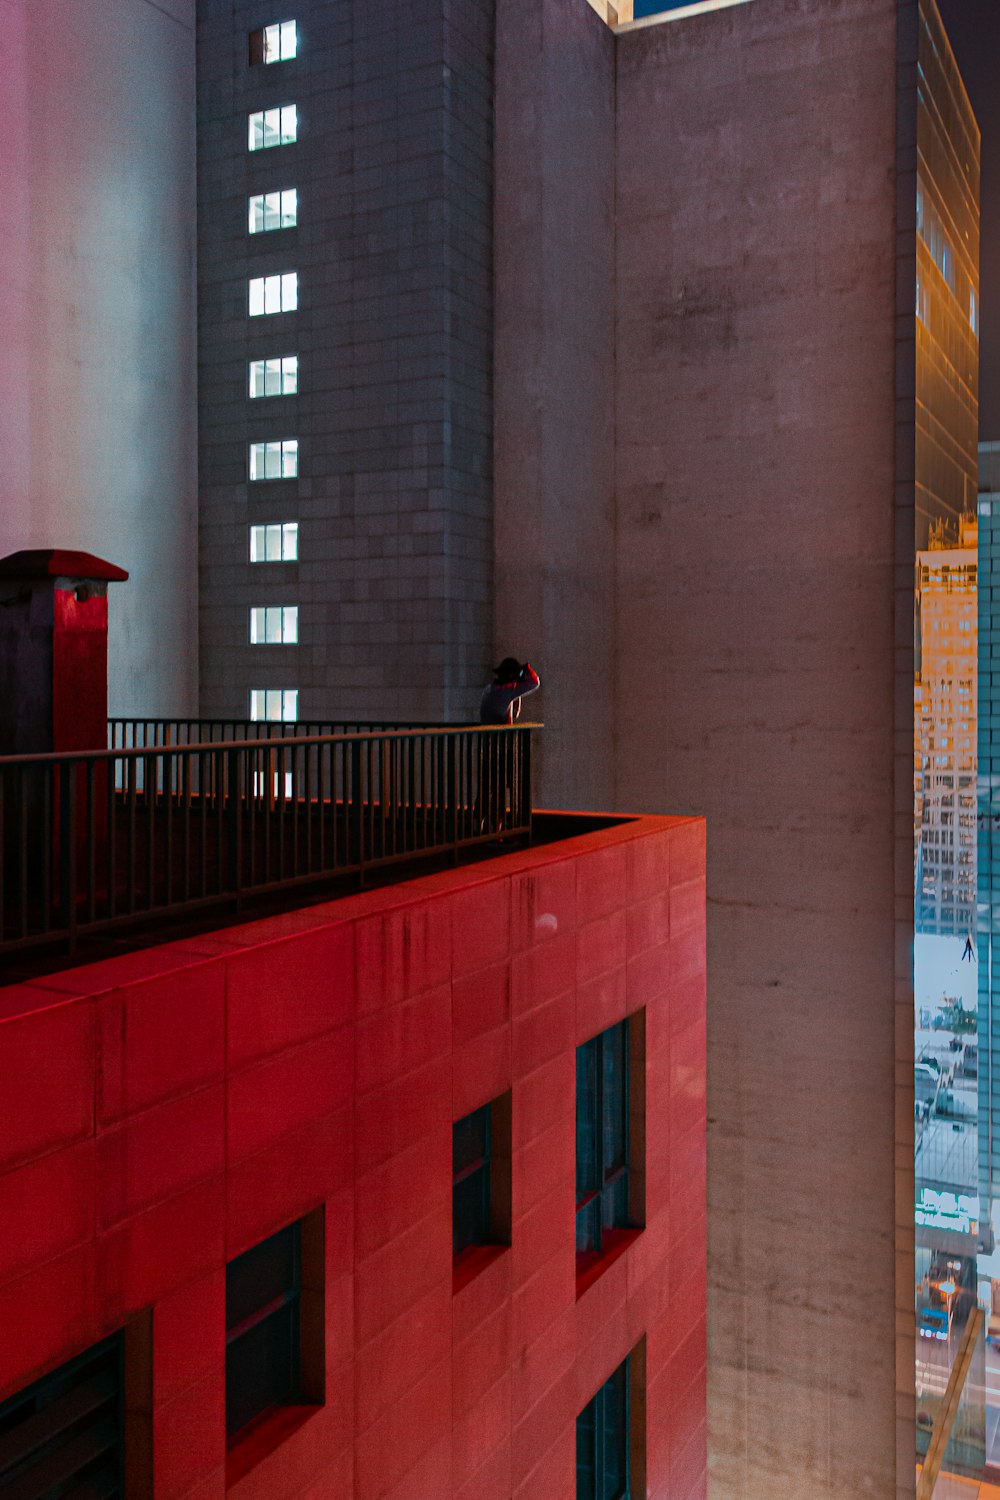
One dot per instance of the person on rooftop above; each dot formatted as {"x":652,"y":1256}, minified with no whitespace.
{"x":501,"y":700}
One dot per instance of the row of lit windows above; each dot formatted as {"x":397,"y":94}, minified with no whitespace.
{"x":276,"y":376}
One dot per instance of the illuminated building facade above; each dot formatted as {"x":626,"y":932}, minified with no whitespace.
{"x":946,"y":717}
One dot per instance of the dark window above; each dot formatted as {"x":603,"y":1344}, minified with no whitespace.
{"x":602,"y":1138}
{"x":602,"y":1441}
{"x":64,"y":1434}
{"x":481,"y":1182}
{"x":470,"y":1151}
{"x":263,"y":1364}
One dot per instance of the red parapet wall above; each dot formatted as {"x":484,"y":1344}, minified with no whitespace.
{"x":165,"y":1110}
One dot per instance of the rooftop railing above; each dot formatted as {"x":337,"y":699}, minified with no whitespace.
{"x":99,"y":841}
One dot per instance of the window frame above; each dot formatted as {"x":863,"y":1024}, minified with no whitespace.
{"x":282,"y":618}
{"x":493,"y":1227}
{"x":260,"y":454}
{"x":273,"y":210}
{"x":610,"y":1206}
{"x":283,"y":374}
{"x":265,"y":717}
{"x":282,"y":138}
{"x":258,"y":43}
{"x":633,"y":1432}
{"x":285,"y":283}
{"x":283,"y":529}
{"x":273,"y":1421}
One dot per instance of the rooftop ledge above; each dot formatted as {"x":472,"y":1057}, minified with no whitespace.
{"x":185,"y":827}
{"x":562,"y":838}
{"x":620,"y":16}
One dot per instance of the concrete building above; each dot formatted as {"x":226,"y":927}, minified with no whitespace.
{"x":988,"y":835}
{"x":945,"y":722}
{"x":98,"y":416}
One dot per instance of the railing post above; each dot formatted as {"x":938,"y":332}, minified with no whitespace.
{"x":355,"y":814}
{"x":231,"y":789}
{"x":451,"y":794}
{"x":67,"y":849}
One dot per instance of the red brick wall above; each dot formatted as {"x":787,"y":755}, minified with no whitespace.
{"x":165,"y":1110}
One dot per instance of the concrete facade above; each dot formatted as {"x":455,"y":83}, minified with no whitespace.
{"x":757,"y":600}
{"x":393,"y":332}
{"x":555,"y":332}
{"x":97,"y":298}
{"x":754,"y":485}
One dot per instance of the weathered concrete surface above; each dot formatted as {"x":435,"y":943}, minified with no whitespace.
{"x":554,"y":380}
{"x":97,"y":306}
{"x":756,"y":204}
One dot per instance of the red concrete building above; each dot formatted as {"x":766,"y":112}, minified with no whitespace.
{"x":274,"y":1138}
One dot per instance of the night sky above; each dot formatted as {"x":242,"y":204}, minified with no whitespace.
{"x":974,"y":28}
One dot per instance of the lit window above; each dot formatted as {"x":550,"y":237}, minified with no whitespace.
{"x":65,"y":1434}
{"x":277,"y":543}
{"x":277,"y":460}
{"x":274,"y":377}
{"x":275,"y":704}
{"x":603,"y":1441}
{"x":275,"y":43}
{"x":279,"y":210}
{"x":272,"y":127}
{"x":273,"y":294}
{"x":274,"y":1325}
{"x":609,"y":1069}
{"x":481,"y":1177}
{"x":274,"y":625}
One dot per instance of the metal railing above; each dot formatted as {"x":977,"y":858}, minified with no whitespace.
{"x":140,"y":734}
{"x":95,"y":841}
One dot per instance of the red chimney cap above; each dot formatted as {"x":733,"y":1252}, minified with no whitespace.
{"x":54,"y":562}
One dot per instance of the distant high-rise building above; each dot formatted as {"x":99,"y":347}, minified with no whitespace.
{"x":946,"y":720}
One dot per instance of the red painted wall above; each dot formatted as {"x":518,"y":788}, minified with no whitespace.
{"x":165,"y":1110}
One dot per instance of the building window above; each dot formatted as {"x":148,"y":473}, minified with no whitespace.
{"x":274,"y":460}
{"x":277,"y":543}
{"x":275,"y":43}
{"x":65,"y":1433}
{"x":605,"y":1441}
{"x":273,"y":294}
{"x":973,"y":312}
{"x":481,"y":1178}
{"x":274,"y":625}
{"x":274,"y":1327}
{"x":274,"y":377}
{"x":610,"y":1071}
{"x":272,"y":127}
{"x":277,"y":210}
{"x":274,"y":704}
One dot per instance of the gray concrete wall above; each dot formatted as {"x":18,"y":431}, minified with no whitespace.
{"x":97,"y":307}
{"x":756,"y":200}
{"x":393,"y":166}
{"x":554,"y":445}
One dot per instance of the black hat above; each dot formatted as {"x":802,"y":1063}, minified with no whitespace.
{"x":508,"y":670}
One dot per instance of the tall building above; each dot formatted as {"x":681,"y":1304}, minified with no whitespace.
{"x":604,"y":351}
{"x":946,"y":718}
{"x":345,"y":365}
{"x":988,"y":837}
